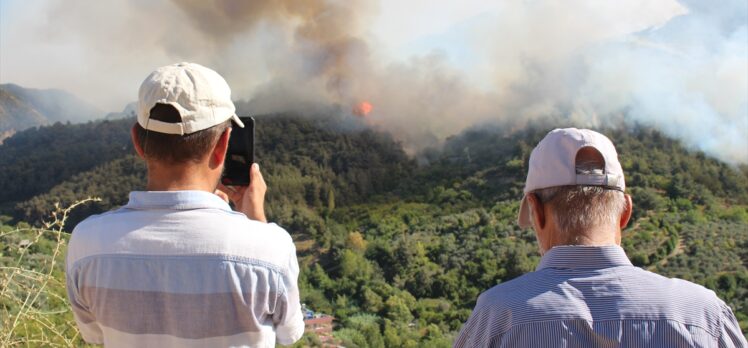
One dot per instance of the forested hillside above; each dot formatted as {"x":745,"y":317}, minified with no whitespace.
{"x":37,"y":159}
{"x":398,"y":249}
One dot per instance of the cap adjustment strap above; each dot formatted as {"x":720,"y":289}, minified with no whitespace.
{"x":607,"y":180}
{"x":165,"y":127}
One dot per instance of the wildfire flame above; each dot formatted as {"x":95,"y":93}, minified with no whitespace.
{"x":362,"y":109}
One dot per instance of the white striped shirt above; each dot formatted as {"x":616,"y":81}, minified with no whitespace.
{"x":583,"y":296}
{"x":180,"y":269}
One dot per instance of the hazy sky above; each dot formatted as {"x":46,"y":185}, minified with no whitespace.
{"x":430,"y":68}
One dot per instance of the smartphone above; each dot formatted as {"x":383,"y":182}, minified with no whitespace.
{"x":240,"y":155}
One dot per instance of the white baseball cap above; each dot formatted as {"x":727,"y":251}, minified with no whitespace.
{"x":553,"y":163}
{"x":202,"y":97}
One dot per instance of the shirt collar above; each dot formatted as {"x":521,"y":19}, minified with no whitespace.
{"x":177,"y":200}
{"x":589,"y":257}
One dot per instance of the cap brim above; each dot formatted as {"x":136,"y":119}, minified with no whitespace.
{"x":523,"y":219}
{"x":237,"y":121}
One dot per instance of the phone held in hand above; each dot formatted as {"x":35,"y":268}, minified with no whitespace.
{"x":240,"y":155}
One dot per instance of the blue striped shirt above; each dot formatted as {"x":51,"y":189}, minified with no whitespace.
{"x":584,"y":296}
{"x":180,"y":269}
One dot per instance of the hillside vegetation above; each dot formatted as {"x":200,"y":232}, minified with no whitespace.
{"x":398,"y":251}
{"x":37,"y":159}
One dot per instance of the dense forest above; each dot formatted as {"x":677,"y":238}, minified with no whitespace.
{"x":398,"y":248}
{"x":37,"y":159}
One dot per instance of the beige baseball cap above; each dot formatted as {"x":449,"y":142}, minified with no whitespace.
{"x":553,"y":163}
{"x":201,"y":95}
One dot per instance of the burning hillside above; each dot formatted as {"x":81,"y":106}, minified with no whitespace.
{"x":676,"y":65}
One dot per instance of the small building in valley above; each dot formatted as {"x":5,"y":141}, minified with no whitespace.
{"x":319,"y":324}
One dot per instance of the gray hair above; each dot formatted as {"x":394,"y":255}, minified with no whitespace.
{"x":579,"y":209}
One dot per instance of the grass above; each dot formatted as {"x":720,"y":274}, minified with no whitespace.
{"x":34,"y":310}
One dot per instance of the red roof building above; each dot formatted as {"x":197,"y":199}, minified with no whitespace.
{"x":321,"y":326}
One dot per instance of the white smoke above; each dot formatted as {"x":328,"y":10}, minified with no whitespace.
{"x":688,"y":78}
{"x":679,"y":66}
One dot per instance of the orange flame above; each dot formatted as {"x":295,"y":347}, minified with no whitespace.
{"x":362,"y":109}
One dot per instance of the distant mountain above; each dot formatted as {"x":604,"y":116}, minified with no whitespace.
{"x":17,"y":114}
{"x":22,"y":108}
{"x":129,"y":111}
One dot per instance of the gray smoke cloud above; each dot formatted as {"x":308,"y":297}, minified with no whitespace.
{"x":678,"y":66}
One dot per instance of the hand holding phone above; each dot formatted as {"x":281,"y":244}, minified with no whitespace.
{"x":249,"y":200}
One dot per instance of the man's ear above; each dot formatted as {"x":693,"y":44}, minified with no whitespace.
{"x":136,"y":142}
{"x":219,"y":151}
{"x":537,"y":210}
{"x":626,"y":215}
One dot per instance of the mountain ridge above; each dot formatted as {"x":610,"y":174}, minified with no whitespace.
{"x":22,"y":108}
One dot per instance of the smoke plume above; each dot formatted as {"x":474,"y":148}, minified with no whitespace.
{"x":678,"y":66}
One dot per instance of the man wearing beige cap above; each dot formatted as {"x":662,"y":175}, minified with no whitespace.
{"x":585,"y":292}
{"x":176,"y":267}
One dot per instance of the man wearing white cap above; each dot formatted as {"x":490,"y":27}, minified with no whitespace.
{"x":585,"y":292}
{"x":176,"y":267}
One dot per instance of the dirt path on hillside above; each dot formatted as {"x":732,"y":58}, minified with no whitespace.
{"x":679,"y":249}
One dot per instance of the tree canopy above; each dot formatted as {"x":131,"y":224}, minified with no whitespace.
{"x":399,"y":248}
